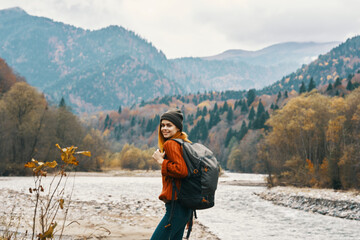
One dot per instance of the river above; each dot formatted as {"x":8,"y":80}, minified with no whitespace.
{"x":238,"y":213}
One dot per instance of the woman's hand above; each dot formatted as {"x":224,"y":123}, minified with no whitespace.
{"x":158,"y":156}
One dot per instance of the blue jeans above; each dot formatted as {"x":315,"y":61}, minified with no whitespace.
{"x":181,"y":216}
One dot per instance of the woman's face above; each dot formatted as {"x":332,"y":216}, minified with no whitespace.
{"x":168,"y":129}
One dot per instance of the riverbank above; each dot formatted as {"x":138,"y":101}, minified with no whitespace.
{"x":109,"y":216}
{"x":342,"y":204}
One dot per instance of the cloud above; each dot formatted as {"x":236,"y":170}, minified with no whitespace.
{"x":203,"y":27}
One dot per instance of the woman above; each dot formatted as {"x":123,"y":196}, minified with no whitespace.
{"x":174,"y":167}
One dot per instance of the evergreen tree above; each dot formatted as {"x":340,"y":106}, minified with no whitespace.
{"x":278,"y":96}
{"x":133,"y":121}
{"x":183,"y":111}
{"x":117,"y":132}
{"x":119,"y":110}
{"x":312,"y":85}
{"x":329,"y":87}
{"x":62,"y":103}
{"x":215,"y":109}
{"x":251,"y":114}
{"x":149,"y":125}
{"x":302,"y":88}
{"x":244,"y":107}
{"x":185,"y":128}
{"x":225,"y":107}
{"x":286,"y":94}
{"x":198,"y":112}
{"x":190,"y":119}
{"x":260,"y":109}
{"x":194,"y":134}
{"x":204,"y":131}
{"x":156,"y":121}
{"x":142,"y":124}
{"x":251,"y":95}
{"x":230,"y":115}
{"x":214,"y":119}
{"x":337,"y":83}
{"x":229,"y":135}
{"x":250,"y":125}
{"x":260,"y":121}
{"x":199,"y":131}
{"x":242,"y":132}
{"x":350,"y":86}
{"x":107,"y":122}
{"x":204,"y":111}
{"x":237,"y":103}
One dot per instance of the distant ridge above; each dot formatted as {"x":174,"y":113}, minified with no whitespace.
{"x":112,"y":66}
{"x":265,"y":56}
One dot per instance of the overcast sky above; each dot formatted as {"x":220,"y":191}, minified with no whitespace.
{"x":184,"y":28}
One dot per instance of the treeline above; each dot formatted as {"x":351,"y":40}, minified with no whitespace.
{"x":238,"y":131}
{"x":30,"y":128}
{"x":219,"y":124}
{"x":314,"y":141}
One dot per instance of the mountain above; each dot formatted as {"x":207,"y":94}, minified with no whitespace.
{"x":293,"y":52}
{"x":58,"y":58}
{"x":342,"y":62}
{"x":105,"y":68}
{"x":240,"y":69}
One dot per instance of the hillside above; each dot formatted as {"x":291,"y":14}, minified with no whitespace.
{"x":224,"y":119}
{"x":59,"y":59}
{"x":49,"y":54}
{"x":342,"y":62}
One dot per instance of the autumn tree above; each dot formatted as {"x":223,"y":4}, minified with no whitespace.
{"x":7,"y":77}
{"x":298,"y":133}
{"x":24,"y":108}
{"x":313,"y":141}
{"x":243,"y":157}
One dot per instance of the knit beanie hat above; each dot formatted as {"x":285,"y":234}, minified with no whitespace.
{"x":174,"y":116}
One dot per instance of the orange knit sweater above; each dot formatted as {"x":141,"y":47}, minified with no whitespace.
{"x":174,"y":166}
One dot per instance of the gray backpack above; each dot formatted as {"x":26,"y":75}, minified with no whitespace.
{"x":198,"y":188}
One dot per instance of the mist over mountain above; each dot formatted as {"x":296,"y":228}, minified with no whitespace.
{"x":106,"y":68}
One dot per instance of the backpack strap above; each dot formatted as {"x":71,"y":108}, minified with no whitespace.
{"x":178,"y":140}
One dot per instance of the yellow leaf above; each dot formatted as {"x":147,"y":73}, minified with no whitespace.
{"x":30,"y":165}
{"x":52,"y":164}
{"x":48,"y":233}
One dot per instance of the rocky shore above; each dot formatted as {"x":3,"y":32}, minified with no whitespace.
{"x":342,"y":204}
{"x":113,"y":217}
